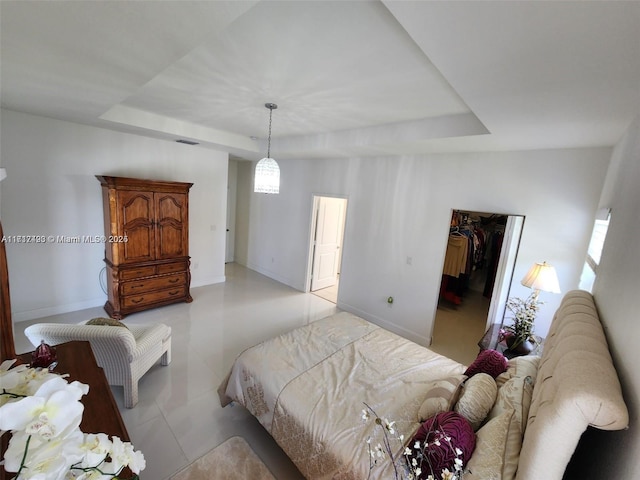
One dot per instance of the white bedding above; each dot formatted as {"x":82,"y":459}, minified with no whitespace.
{"x":308,"y":389}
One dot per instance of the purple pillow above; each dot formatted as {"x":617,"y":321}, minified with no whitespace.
{"x":490,"y":362}
{"x":437,"y":456}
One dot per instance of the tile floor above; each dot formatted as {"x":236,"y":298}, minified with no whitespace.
{"x":458,"y":328}
{"x":329,"y":293}
{"x":178,"y":417}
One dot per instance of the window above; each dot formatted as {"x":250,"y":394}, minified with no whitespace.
{"x":594,"y":252}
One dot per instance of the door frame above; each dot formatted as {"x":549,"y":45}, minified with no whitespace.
{"x":506,"y":266}
{"x":315,"y":202}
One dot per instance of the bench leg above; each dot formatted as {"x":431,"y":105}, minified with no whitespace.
{"x":165,"y":359}
{"x":130,"y":394}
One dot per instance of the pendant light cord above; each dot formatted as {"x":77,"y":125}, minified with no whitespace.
{"x":271,"y":107}
{"x":269,"y":141}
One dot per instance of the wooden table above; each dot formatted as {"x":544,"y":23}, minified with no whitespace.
{"x":101,"y":412}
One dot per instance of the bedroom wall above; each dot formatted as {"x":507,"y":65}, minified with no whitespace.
{"x":615,"y":454}
{"x":52,"y":190}
{"x":400,"y":207}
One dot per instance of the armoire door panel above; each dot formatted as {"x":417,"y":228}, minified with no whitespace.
{"x":170,"y":205}
{"x":171,"y":239}
{"x":139,"y":246}
{"x":136,"y":206}
{"x":137,"y":226}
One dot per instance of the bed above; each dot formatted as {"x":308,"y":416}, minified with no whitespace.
{"x":308,"y":388}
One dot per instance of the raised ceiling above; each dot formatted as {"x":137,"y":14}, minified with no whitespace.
{"x":351,"y":78}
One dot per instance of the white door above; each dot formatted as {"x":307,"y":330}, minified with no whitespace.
{"x":327,"y":242}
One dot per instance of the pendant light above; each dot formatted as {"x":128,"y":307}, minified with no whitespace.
{"x":267,"y":176}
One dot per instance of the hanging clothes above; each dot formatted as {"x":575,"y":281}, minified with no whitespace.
{"x":468,"y":250}
{"x":456,"y":257}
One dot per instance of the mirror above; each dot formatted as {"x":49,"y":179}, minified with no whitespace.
{"x":476,"y":277}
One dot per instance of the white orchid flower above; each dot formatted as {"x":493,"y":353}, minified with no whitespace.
{"x":365,"y":415}
{"x":52,"y":411}
{"x":122,"y":454}
{"x":96,"y":447}
{"x":44,"y":459}
{"x":44,"y":412}
{"x":22,"y":380}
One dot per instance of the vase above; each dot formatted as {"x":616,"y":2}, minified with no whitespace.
{"x":524,"y":347}
{"x":43,"y":356}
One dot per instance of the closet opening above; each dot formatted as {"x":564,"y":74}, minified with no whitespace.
{"x":480,"y":256}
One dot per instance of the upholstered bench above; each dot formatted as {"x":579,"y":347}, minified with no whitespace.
{"x":125,"y":353}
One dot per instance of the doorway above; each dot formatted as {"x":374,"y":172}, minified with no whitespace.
{"x":476,"y":278}
{"x":325,"y":252}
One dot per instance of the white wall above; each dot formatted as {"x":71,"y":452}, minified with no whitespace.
{"x":52,"y":190}
{"x":400,"y":207}
{"x":616,"y":454}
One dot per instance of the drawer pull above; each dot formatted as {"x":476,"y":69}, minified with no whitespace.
{"x":137,"y":301}
{"x":175,"y":280}
{"x":141,"y":285}
{"x":174,"y":293}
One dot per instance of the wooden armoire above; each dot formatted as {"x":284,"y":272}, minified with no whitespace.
{"x":147,"y":243}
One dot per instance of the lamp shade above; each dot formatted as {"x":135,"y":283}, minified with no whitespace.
{"x":267,"y":176}
{"x":542,"y":276}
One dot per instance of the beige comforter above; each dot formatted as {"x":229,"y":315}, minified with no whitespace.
{"x":308,"y":388}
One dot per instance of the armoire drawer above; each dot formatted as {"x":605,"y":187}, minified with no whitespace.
{"x":133,"y":301}
{"x":129,"y":273}
{"x":172,"y":267}
{"x":153,"y":283}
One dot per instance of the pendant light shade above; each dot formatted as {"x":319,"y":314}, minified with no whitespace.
{"x":267,"y":175}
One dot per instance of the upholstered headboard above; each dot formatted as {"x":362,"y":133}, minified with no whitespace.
{"x":576,"y":387}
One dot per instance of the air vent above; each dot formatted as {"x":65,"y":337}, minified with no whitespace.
{"x":187,"y":142}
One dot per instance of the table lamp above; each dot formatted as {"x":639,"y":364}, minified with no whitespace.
{"x":541,"y":276}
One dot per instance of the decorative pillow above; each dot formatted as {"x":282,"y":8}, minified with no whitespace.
{"x":490,"y":362}
{"x":440,"y":453}
{"x":525,"y":366}
{"x":477,"y":396}
{"x":112,"y":322}
{"x":514,"y":395}
{"x":441,"y":396}
{"x":487,"y":461}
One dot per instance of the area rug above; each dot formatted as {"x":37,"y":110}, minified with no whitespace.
{"x":232,"y":460}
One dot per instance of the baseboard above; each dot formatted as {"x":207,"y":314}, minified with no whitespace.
{"x":273,"y":276}
{"x":207,"y":281}
{"x":57,"y":310}
{"x":381,"y":322}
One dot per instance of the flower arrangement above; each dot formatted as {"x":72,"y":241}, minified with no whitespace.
{"x":524,"y":316}
{"x":410,"y":463}
{"x":43,"y":413}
